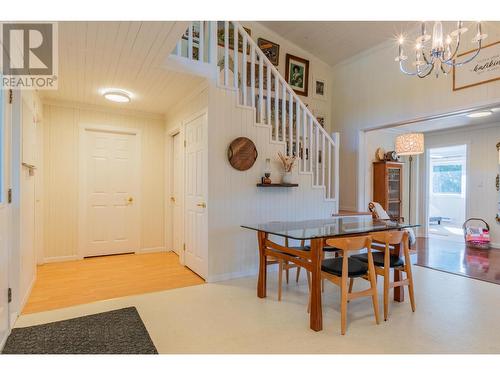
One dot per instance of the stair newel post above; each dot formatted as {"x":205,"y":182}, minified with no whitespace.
{"x":252,"y":74}
{"x":212,"y":43}
{"x":201,"y":47}
{"x":290,"y":123}
{"x":276,"y":107}
{"x":244,"y":70}
{"x":235,"y":58}
{"x":261,"y":88}
{"x":190,"y":41}
{"x":268,"y":99}
{"x":226,"y":53}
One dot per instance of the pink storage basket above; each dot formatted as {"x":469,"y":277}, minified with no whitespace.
{"x":477,"y":236}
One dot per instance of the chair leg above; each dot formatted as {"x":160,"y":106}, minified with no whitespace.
{"x":343,"y":308}
{"x":373,"y":284}
{"x":298,"y":274}
{"x":287,"y":272}
{"x":387,"y":280}
{"x":280,"y":279}
{"x":309,"y":285}
{"x":351,"y":284}
{"x":410,"y":284}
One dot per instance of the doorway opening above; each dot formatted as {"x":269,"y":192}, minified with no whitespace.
{"x":447,"y":187}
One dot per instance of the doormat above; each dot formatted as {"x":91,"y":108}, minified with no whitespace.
{"x":113,"y":332}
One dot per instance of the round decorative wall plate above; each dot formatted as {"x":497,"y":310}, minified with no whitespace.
{"x":242,"y":154}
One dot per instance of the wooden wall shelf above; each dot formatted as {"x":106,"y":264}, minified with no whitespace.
{"x":277,"y":185}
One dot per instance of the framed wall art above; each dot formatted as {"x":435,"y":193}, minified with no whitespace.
{"x":297,"y":74}
{"x":270,"y":49}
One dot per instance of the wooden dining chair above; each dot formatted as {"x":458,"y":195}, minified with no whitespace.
{"x":384,"y":261}
{"x":341,"y":269}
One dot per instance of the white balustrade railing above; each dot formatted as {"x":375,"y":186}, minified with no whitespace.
{"x":243,"y":67}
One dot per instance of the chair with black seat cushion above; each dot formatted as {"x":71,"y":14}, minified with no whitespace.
{"x":340,"y":270}
{"x":384,"y":261}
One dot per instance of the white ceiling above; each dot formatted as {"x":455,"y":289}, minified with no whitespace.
{"x":334,"y":41}
{"x":126,"y":55}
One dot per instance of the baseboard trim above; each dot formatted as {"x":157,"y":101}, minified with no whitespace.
{"x":232,"y":275}
{"x":25,"y":298}
{"x":152,"y":250}
{"x":63,"y":258}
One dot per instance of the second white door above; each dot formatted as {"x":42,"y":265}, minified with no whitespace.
{"x":196,"y":218}
{"x":110,"y":185}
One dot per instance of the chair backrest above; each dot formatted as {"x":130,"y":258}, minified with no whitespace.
{"x":348,"y":244}
{"x":391,"y":237}
{"x":378,"y":211}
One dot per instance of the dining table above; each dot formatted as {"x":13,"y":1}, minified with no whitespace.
{"x":310,"y":258}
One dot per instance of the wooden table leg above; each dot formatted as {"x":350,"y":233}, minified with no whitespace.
{"x":316,"y":314}
{"x":261,"y":284}
{"x":399,"y":294}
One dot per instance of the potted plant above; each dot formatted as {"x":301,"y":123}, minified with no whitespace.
{"x":288,"y":163}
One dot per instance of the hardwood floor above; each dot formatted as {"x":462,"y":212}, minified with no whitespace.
{"x":455,"y":257}
{"x":93,"y":279}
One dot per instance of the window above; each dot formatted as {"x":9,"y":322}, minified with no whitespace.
{"x":447,"y":179}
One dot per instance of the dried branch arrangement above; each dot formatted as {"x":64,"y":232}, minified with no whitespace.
{"x":287,"y":161}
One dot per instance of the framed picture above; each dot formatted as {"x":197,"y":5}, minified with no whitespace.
{"x":220,"y":37}
{"x":485,"y":68}
{"x":297,"y":74}
{"x":256,"y":69}
{"x":321,"y":119}
{"x":319,"y":88}
{"x":270,"y":49}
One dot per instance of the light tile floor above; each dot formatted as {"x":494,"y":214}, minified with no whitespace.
{"x":454,"y":315}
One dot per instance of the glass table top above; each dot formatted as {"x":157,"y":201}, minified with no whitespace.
{"x":327,"y":228}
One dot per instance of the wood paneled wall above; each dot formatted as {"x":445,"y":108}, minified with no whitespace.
{"x":61,"y":154}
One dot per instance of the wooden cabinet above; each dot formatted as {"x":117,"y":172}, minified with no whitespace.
{"x":388,"y":187}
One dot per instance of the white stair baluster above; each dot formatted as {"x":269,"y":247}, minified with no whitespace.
{"x":323,"y":158}
{"x":311,"y":154}
{"x":190,"y":42}
{"x":226,"y":53}
{"x":283,"y":112}
{"x":297,"y":129}
{"x":252,"y":75}
{"x":261,"y":89}
{"x":268,"y":99}
{"x":276,"y":107}
{"x":201,"y":42}
{"x":290,"y":121}
{"x":235,"y":58}
{"x":329,"y":170}
{"x":178,"y":48}
{"x":244,"y":71}
{"x":304,"y":138}
{"x":316,"y":157}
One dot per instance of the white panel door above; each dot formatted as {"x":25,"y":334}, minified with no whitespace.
{"x":111,"y":186}
{"x":4,"y":229}
{"x":177,"y":194}
{"x":196,"y":236}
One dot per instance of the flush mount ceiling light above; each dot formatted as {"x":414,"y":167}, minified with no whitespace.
{"x":479,"y":114}
{"x":117,"y":95}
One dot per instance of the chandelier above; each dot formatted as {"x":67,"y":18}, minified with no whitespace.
{"x":437,"y":53}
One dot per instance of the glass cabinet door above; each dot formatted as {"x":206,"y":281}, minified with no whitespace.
{"x":394,"y":176}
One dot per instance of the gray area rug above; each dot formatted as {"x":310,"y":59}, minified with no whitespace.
{"x":114,"y":332}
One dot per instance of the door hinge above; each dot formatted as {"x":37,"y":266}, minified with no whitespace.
{"x":9,"y":295}
{"x":9,"y":195}
{"x":185,"y":143}
{"x":11,"y":96}
{"x":184,"y":246}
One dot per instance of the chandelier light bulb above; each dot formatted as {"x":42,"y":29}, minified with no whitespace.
{"x":437,"y":36}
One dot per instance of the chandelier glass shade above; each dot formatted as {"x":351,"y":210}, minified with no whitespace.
{"x":438,"y":52}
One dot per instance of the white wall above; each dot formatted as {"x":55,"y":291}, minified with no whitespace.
{"x":61,"y":132}
{"x":368,"y":90}
{"x":482,"y":168}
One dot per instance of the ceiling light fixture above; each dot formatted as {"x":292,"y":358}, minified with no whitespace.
{"x":439,"y":52}
{"x":117,"y":95}
{"x":479,"y":114}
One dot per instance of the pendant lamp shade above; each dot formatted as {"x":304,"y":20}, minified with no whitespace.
{"x":410,"y":144}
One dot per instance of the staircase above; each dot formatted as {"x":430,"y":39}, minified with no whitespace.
{"x":207,"y":47}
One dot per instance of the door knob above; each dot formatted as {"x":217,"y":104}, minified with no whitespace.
{"x":130,"y":200}
{"x":204,"y":205}
{"x":172,"y":199}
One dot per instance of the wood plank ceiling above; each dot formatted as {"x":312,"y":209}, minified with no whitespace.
{"x":125,"y":55}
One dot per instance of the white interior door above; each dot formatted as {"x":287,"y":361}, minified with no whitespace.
{"x":196,"y":236}
{"x":110,"y":222}
{"x":4,"y":225}
{"x":177,"y":194}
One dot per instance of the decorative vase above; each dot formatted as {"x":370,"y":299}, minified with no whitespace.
{"x":287,"y":178}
